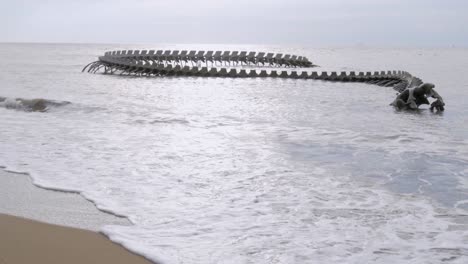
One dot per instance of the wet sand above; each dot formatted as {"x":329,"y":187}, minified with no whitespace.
{"x":70,"y":234}
{"x":19,"y":197}
{"x":27,"y":241}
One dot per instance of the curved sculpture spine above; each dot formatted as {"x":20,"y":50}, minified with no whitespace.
{"x":210,"y":64}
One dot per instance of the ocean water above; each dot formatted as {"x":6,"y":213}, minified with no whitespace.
{"x":219,"y":170}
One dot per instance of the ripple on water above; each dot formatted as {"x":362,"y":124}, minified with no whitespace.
{"x":217,"y":170}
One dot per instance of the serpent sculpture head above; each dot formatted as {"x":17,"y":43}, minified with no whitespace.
{"x":439,"y":104}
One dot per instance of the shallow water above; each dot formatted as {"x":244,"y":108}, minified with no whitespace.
{"x":19,"y":197}
{"x":215,"y":170}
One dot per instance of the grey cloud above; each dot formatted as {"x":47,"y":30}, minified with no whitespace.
{"x":304,"y":22}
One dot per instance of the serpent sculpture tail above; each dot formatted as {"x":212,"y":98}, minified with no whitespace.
{"x":223,"y":64}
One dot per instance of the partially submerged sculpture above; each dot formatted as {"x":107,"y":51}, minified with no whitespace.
{"x":412,"y":98}
{"x":223,"y":64}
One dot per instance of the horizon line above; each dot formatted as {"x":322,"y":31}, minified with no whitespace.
{"x":356,"y":45}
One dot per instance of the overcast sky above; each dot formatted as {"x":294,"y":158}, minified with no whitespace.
{"x":303,"y":22}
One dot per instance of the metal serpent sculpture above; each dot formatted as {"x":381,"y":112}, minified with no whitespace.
{"x":223,"y":64}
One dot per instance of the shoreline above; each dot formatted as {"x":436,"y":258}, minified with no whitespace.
{"x":38,"y":225}
{"x":21,"y":197}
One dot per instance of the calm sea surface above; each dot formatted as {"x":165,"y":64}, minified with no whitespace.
{"x":218,"y":170}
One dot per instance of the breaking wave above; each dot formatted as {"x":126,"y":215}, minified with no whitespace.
{"x":30,"y":105}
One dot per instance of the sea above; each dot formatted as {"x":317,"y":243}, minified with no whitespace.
{"x":263,"y":170}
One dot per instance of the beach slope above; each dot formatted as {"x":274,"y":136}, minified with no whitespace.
{"x":28,"y":241}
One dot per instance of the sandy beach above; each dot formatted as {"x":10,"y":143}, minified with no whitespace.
{"x":70,"y":234}
{"x":28,"y":241}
